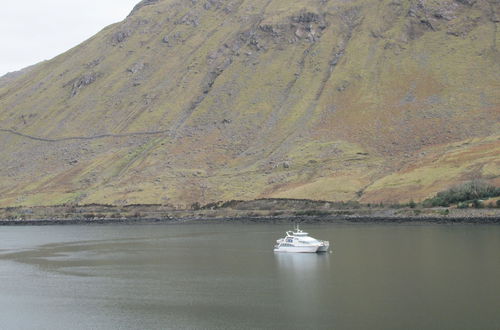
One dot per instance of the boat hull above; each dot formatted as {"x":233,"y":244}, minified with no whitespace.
{"x":323,"y":248}
{"x":297,"y":249}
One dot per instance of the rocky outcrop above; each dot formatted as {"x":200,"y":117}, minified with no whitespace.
{"x":78,"y":83}
{"x":120,"y":37}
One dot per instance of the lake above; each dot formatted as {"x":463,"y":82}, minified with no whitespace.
{"x":226,"y":276}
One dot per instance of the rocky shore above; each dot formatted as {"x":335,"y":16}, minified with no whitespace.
{"x":474,"y":218}
{"x":255,"y":211}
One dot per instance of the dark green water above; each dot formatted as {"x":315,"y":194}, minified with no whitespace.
{"x":227,"y":277}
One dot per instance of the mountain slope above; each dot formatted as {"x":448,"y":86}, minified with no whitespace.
{"x":209,"y":100}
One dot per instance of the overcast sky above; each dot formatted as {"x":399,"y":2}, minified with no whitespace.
{"x":35,"y":30}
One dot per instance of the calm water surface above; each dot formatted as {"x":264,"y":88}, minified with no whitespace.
{"x":227,"y":277}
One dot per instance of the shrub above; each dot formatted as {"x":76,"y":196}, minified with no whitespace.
{"x":212,"y":206}
{"x":444,"y":212}
{"x":470,"y":191}
{"x":396,"y":206}
{"x":477,"y":204}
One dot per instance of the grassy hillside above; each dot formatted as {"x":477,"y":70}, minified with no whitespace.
{"x":210,"y":100}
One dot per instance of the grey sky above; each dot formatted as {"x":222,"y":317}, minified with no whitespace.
{"x":35,"y":30}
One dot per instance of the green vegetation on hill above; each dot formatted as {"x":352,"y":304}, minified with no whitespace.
{"x":472,"y":192}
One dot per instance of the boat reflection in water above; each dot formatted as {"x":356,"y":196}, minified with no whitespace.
{"x":302,"y":263}
{"x":301,"y":278}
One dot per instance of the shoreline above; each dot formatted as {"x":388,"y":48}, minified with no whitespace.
{"x":256,"y":211}
{"x":440,"y":220}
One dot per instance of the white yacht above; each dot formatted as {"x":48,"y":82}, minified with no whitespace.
{"x":300,"y":242}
